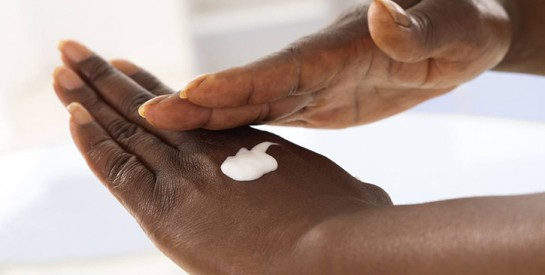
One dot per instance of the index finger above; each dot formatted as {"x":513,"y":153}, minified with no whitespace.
{"x":297,"y":70}
{"x":116,"y":88}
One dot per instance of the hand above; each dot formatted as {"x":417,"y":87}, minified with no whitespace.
{"x":171,"y":182}
{"x":375,"y":61}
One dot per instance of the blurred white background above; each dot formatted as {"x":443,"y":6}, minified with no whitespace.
{"x":55,"y":218}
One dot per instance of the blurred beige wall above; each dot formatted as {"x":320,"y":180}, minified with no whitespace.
{"x":155,"y":34}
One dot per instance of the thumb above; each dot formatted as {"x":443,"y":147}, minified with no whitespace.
{"x":431,"y":28}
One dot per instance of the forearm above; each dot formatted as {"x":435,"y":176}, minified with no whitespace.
{"x":526,"y":54}
{"x":500,"y":235}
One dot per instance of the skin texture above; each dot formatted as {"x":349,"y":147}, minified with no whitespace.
{"x":526,"y":53}
{"x":376,"y":60}
{"x":308,"y":217}
{"x":171,"y":182}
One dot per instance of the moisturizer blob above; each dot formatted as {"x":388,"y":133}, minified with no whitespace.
{"x":249,"y":165}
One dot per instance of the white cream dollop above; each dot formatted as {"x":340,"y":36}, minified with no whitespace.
{"x":248,"y":165}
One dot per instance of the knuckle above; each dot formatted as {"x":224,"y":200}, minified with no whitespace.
{"x":124,"y":170}
{"x":149,"y":82}
{"x":119,"y":168}
{"x":135,"y":102}
{"x":100,"y":149}
{"x":93,"y":103}
{"x":123,"y":131}
{"x":97,"y":69}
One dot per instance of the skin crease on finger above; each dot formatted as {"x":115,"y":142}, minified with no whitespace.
{"x":362,"y":68}
{"x":308,"y":217}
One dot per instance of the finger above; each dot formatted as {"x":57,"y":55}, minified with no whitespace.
{"x":447,"y":30}
{"x":187,"y":115}
{"x":122,"y":172}
{"x":225,"y":118}
{"x":118,"y":90}
{"x":303,"y":68}
{"x":172,"y":113}
{"x":70,"y":88}
{"x":142,"y":77}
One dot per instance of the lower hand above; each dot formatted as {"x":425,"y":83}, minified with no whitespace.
{"x":171,"y":182}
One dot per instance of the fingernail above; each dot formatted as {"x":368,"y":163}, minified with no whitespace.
{"x":142,"y":110}
{"x":80,"y":115}
{"x":193,"y":84}
{"x":397,"y":12}
{"x":67,"y":78}
{"x":125,"y":66}
{"x":183,"y":94}
{"x":145,"y":107}
{"x":74,"y":50}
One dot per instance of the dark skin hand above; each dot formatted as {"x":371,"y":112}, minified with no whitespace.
{"x":526,"y":53}
{"x":308,"y":217}
{"x":171,"y":182}
{"x":378,"y":59}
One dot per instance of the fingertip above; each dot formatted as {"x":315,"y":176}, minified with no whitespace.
{"x":66,"y":61}
{"x":171,"y":113}
{"x":144,"y":109}
{"x":67,"y":78}
{"x":396,"y":12}
{"x":74,"y":50}
{"x":183,"y":94}
{"x":79,"y":114}
{"x":397,"y":40}
{"x":56,"y":71}
{"x":61,"y":43}
{"x":194,"y":84}
{"x":56,"y":88}
{"x":381,"y":20}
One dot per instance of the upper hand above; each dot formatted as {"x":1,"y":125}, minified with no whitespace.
{"x":375,"y":61}
{"x":171,"y":182}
